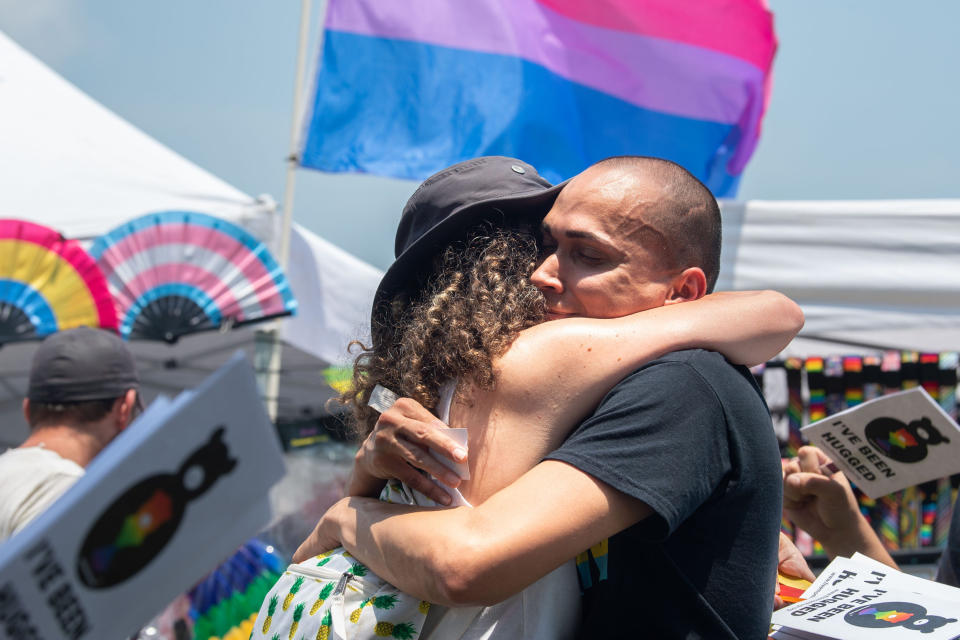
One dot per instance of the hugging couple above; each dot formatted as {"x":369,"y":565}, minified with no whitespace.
{"x":623,"y":478}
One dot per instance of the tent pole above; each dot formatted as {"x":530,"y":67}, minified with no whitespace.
{"x":293,"y":157}
{"x":271,"y":377}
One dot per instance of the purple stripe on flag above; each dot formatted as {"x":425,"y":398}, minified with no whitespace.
{"x":661,"y":75}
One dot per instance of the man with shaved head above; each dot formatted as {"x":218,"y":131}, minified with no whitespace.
{"x":674,"y":480}
{"x":629,"y":232}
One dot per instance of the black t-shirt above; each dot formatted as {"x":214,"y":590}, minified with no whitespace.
{"x":689,"y":435}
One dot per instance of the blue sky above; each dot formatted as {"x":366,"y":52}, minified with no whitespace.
{"x":866,"y":99}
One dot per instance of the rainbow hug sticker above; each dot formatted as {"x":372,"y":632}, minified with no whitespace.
{"x":886,"y":615}
{"x":136,"y":527}
{"x":903,"y":442}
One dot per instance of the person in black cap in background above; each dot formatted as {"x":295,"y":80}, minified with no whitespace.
{"x":83,"y":392}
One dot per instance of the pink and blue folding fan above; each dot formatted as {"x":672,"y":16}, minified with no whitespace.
{"x":178,"y":272}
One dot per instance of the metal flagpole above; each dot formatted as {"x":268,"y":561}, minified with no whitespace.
{"x":269,"y":363}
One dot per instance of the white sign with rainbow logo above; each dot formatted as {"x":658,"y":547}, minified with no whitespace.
{"x":890,"y":443}
{"x":861,"y":599}
{"x":166,"y":501}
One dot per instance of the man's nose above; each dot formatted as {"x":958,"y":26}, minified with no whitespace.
{"x":547,"y":275}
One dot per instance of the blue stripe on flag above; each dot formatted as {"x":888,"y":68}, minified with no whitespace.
{"x":407,"y":109}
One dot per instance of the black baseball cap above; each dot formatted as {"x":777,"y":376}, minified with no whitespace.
{"x":494,"y":189}
{"x":77,"y":365}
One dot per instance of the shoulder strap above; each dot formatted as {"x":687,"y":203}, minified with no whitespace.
{"x":446,"y":399}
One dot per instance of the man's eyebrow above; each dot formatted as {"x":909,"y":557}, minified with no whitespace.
{"x":585,"y":235}
{"x":573,"y":233}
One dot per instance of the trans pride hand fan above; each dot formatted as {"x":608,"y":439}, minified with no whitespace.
{"x":47,"y":284}
{"x":178,"y":272}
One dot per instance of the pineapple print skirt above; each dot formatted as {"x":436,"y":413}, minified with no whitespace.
{"x":334,"y":596}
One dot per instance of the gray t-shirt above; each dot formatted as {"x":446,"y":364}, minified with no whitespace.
{"x":31,"y":479}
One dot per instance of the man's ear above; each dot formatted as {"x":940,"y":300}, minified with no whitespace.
{"x":691,"y":284}
{"x":123,"y":409}
{"x":26,"y":410}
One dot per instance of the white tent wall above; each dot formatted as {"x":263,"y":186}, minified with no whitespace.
{"x":70,"y":164}
{"x":334,"y":291}
{"x":866,"y":272}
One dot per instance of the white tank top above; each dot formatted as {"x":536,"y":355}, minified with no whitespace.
{"x":549,"y":609}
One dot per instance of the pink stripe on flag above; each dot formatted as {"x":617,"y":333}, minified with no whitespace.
{"x":180,"y":234}
{"x":653,"y":73}
{"x":740,"y":28}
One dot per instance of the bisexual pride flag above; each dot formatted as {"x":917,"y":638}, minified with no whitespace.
{"x":406,"y":87}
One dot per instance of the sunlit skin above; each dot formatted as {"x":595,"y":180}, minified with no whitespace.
{"x":604,"y":250}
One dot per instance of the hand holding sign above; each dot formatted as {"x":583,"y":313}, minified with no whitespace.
{"x":822,"y":503}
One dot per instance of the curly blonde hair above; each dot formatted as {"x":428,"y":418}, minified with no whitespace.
{"x":468,"y":313}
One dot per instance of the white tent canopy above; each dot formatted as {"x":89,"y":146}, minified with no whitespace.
{"x":70,"y":164}
{"x":866,"y":272}
{"x":79,"y":167}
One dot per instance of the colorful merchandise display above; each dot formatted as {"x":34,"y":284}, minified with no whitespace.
{"x":853,"y":383}
{"x":871,"y":377}
{"x":225,"y":603}
{"x":947,"y":396}
{"x":917,"y":517}
{"x":817,"y":385}
{"x":833,"y":382}
{"x":795,"y":406}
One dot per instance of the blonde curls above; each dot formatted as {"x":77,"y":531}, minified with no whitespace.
{"x":479,"y":298}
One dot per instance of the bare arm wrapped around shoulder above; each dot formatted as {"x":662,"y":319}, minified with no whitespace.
{"x":748,"y":327}
{"x":577,"y":360}
{"x":555,"y":373}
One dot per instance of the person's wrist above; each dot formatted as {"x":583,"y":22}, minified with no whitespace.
{"x":364,"y":461}
{"x":343,"y":521}
{"x":360,"y":460}
{"x":847,"y":537}
{"x":329,"y":524}
{"x":361,"y":481}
